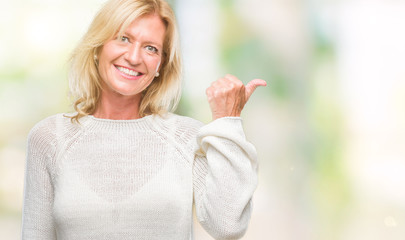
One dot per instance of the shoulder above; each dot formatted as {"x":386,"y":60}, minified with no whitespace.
{"x":181,"y":123}
{"x":40,"y":141}
{"x":43,"y":129}
{"x":45,"y":133}
{"x":180,"y":130}
{"x":49,"y":125}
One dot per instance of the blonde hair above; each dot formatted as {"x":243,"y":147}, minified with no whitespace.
{"x":162,"y":95}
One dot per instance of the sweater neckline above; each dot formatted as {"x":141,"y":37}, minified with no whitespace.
{"x":95,"y":124}
{"x":92,"y":117}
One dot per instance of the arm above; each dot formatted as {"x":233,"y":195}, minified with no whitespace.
{"x":37,"y":222}
{"x":225,"y":177}
{"x":225,"y":166}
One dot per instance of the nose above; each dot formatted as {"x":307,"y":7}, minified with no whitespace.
{"x":133,"y":54}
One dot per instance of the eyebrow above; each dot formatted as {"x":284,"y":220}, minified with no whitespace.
{"x":147,"y":42}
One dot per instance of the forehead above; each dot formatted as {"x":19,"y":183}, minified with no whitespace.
{"x":147,"y":27}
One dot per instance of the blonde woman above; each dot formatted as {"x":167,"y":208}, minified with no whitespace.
{"x":123,"y":166}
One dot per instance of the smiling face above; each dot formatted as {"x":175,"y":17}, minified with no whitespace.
{"x":128,"y":64}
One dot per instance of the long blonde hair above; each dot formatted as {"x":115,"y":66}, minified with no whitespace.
{"x":114,"y":17}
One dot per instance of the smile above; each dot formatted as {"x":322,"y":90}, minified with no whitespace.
{"x":128,"y":71}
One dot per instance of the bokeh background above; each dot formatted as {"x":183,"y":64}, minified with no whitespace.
{"x":329,"y":127}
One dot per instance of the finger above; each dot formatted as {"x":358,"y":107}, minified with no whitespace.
{"x":235,"y":83}
{"x":252,"y":85}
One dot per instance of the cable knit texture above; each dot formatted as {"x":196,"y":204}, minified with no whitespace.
{"x":137,"y":179}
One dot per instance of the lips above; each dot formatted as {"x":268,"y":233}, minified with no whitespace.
{"x":128,"y":73}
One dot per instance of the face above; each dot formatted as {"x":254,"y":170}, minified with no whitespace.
{"x":128,"y":64}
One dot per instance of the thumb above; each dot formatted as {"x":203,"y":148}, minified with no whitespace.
{"x":252,"y":85}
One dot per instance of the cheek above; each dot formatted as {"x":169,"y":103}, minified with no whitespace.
{"x":102,"y":65}
{"x":106,"y":58}
{"x":103,"y":71}
{"x":110,"y":52}
{"x":153,"y":63}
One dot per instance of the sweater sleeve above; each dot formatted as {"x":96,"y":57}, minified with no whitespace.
{"x":225,"y":177}
{"x":37,"y":222}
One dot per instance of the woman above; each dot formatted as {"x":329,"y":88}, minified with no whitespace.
{"x":123,"y":166}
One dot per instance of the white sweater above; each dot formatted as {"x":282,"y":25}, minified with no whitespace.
{"x":137,"y":179}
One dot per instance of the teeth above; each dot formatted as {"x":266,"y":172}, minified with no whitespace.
{"x":128,"y":71}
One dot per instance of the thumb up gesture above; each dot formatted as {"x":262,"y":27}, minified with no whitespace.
{"x":228,"y":95}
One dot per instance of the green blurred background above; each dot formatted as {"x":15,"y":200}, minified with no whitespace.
{"x":329,"y":127}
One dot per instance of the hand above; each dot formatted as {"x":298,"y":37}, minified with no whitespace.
{"x":227,"y":96}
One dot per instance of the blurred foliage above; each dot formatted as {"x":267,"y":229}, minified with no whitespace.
{"x":246,"y":55}
{"x":332,"y":192}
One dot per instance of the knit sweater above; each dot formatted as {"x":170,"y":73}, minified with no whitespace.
{"x":137,"y":179}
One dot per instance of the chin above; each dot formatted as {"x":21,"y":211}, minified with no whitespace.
{"x":128,"y":93}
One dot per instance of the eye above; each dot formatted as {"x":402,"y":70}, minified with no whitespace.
{"x":152,"y":49}
{"x":124,"y":39}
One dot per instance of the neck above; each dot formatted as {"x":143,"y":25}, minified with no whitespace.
{"x":118,"y":107}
